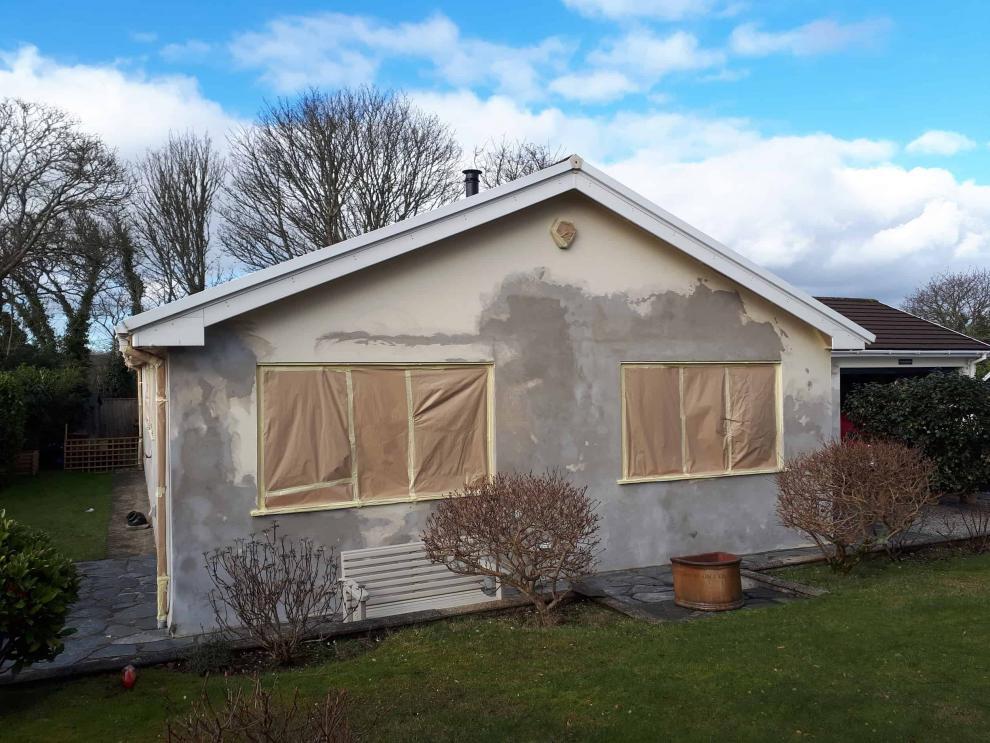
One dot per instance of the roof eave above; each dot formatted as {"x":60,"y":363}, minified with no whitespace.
{"x":183,"y":322}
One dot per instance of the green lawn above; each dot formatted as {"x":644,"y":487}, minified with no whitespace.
{"x":898,"y":652}
{"x":59,"y":503}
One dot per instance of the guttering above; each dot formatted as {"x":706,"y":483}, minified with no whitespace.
{"x":135,"y":358}
{"x":882,"y":352}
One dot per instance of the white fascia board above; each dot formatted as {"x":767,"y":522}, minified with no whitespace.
{"x":186,"y":330}
{"x":647,"y":215}
{"x":906,"y":354}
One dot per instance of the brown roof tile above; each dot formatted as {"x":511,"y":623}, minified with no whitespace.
{"x":897,"y":330}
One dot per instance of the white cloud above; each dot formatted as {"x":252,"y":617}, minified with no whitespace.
{"x":192,"y":50}
{"x":602,"y":139}
{"x":593,"y":87}
{"x":832,"y":215}
{"x":666,"y":10}
{"x":940,"y":142}
{"x":339,"y":49}
{"x":817,"y":37}
{"x":129,"y":110}
{"x":647,"y":55}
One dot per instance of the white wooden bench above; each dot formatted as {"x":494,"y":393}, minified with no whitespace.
{"x":384,"y":581}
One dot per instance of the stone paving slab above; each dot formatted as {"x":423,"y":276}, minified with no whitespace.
{"x":623,"y":590}
{"x":114,"y":618}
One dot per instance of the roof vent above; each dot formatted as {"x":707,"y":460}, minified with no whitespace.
{"x":471,"y":181}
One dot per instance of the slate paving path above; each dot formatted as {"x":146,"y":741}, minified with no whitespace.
{"x":648,"y":593}
{"x":115,"y":621}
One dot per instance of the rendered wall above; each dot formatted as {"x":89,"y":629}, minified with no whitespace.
{"x":557,"y":324}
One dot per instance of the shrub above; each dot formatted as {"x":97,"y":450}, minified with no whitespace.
{"x":946,"y":416}
{"x":213,"y":655}
{"x":851,"y":497}
{"x":528,"y":531}
{"x":52,"y":398}
{"x":11,"y":423}
{"x":37,"y":588}
{"x":259,"y":715}
{"x":35,"y":405}
{"x":278,"y":590}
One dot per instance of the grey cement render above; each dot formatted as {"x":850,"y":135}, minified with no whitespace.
{"x":557,"y":325}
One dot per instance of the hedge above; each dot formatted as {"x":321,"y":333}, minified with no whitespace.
{"x":946,"y":416}
{"x":35,"y":405}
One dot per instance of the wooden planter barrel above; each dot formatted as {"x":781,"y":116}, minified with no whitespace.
{"x":709,"y":582}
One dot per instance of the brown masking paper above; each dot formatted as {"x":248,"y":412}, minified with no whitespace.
{"x":653,"y":422}
{"x":450,"y":428}
{"x":381,"y":430}
{"x":304,"y":431}
{"x":753,"y":416}
{"x":704,"y":419}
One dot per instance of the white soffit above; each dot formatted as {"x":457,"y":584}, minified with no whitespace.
{"x":182,"y":323}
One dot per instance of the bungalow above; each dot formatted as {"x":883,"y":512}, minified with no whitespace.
{"x":560,"y":320}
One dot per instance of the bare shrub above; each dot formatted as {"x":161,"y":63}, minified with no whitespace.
{"x":853,"y":496}
{"x":273,"y":591}
{"x":528,"y":531}
{"x":258,"y":714}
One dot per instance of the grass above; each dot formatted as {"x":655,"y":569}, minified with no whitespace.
{"x":58,"y":503}
{"x":894,"y":652}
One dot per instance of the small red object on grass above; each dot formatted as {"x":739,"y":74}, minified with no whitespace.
{"x":128,"y":677}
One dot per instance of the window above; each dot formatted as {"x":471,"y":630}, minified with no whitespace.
{"x":697,"y":420}
{"x":340,"y":436}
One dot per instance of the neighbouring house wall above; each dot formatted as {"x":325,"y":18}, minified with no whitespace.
{"x":557,"y":324}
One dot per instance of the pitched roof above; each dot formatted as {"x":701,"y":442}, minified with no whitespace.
{"x":898,"y":330}
{"x":183,"y":322}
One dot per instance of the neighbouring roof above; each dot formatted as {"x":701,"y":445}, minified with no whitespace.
{"x":183,"y":322}
{"x":897,"y":330}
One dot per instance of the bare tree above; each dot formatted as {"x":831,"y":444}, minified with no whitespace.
{"x":959,"y":301}
{"x":504,"y":160}
{"x":324,"y":167}
{"x":179,"y":185}
{"x":83,"y":279}
{"x":49,"y":171}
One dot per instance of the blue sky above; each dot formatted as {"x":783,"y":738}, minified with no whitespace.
{"x":843,"y":144}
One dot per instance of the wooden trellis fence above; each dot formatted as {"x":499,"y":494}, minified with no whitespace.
{"x":101,"y":454}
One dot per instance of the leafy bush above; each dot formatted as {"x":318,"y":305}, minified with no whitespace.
{"x":273,"y":591}
{"x":35,"y":405}
{"x":37,"y":587}
{"x":531,"y":532}
{"x":946,"y":416}
{"x":260,"y":715}
{"x":853,"y":496}
{"x":11,"y":423}
{"x":52,"y":399}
